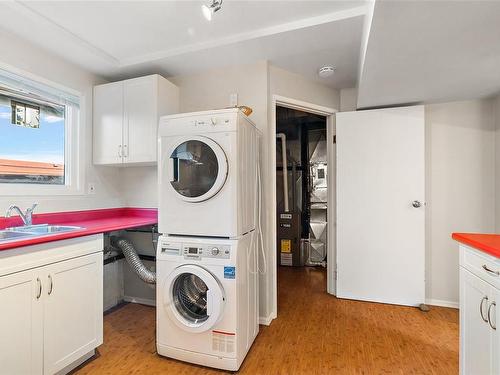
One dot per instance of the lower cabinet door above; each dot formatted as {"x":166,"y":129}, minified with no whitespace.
{"x":475,"y":331}
{"x":494,"y":318}
{"x":72,"y":310}
{"x":21,"y":319}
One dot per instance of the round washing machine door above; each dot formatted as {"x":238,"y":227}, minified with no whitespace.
{"x":193,"y":298}
{"x":197,"y":168}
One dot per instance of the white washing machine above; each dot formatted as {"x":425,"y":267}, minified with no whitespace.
{"x":207,"y":174}
{"x":207,"y":301}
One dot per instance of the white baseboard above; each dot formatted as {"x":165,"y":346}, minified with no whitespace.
{"x":266,"y":320}
{"x":142,"y":301}
{"x":441,"y":303}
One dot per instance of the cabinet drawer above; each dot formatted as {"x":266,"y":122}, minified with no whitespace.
{"x":482,"y":265}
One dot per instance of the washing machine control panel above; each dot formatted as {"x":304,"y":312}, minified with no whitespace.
{"x":196,"y":251}
{"x":212,"y":121}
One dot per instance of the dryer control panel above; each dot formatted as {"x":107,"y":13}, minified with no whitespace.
{"x":196,"y":251}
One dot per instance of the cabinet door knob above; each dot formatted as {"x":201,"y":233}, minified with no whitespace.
{"x":489,"y":316}
{"x":39,"y":288}
{"x":416,"y":204}
{"x":485,"y":298}
{"x":51,"y":285}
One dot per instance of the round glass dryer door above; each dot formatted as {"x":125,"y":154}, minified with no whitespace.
{"x":193,"y":298}
{"x":198,"y":168}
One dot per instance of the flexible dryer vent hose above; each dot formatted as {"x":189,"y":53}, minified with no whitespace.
{"x":133,"y":259}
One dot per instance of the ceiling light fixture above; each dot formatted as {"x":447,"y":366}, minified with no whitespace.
{"x":326,"y":71}
{"x":209,"y":10}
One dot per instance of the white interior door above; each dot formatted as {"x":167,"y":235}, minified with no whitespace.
{"x":380,"y":177}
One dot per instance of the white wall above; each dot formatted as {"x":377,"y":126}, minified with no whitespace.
{"x":139,"y":186}
{"x":348,"y":99}
{"x":291,"y":85}
{"x":211,"y":90}
{"x":497,"y":164}
{"x":21,"y":55}
{"x":460,"y":142}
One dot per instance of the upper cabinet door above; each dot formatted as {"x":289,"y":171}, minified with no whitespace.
{"x":21,"y":329}
{"x":73,"y":320}
{"x":108,"y":123}
{"x":140,"y":119}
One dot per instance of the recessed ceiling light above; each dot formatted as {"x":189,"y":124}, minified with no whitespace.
{"x":209,"y":10}
{"x":326,"y":71}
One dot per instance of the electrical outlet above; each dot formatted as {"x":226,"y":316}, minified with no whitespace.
{"x":233,"y":100}
{"x":91,"y":188}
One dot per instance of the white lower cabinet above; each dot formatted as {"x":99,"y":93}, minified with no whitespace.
{"x":479,"y":338}
{"x":72,"y":318}
{"x":494,"y":317}
{"x":51,"y":315}
{"x":21,"y":324}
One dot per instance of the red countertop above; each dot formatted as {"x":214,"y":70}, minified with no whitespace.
{"x":92,"y":222}
{"x":489,"y":243}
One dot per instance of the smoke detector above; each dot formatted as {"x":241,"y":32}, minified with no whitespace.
{"x":326,"y":71}
{"x":209,"y":10}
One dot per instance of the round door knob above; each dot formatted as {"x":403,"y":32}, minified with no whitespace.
{"x":416,"y":204}
{"x":215,"y":251}
{"x":214,"y":121}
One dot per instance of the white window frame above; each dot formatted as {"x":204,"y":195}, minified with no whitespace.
{"x":74,"y":166}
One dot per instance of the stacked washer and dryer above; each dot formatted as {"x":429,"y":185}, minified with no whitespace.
{"x":207,"y":262}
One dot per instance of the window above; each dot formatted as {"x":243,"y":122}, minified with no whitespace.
{"x":38,"y":134}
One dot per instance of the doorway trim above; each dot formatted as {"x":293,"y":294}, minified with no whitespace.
{"x":329,"y":113}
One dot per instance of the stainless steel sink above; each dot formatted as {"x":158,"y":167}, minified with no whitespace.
{"x":44,"y":228}
{"x":30,"y":231}
{"x":6,"y":235}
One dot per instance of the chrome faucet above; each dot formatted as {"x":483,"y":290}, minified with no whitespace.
{"x":26,"y":216}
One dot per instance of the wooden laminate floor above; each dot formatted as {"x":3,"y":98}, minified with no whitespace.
{"x":315,"y":333}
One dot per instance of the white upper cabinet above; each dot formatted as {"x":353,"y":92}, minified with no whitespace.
{"x":126,"y":116}
{"x":108,"y":123}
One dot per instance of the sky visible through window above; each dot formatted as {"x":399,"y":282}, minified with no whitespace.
{"x":33,"y":145}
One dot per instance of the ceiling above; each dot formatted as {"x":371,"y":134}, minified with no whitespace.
{"x":396,"y":52}
{"x":118,"y":39}
{"x":430,"y":51}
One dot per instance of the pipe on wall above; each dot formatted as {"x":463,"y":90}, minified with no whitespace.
{"x":282,"y":137}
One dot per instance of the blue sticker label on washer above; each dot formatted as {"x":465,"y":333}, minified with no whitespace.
{"x":229,"y":272}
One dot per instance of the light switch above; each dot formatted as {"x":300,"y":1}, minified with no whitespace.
{"x":233,"y":100}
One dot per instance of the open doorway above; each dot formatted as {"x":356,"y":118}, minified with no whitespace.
{"x":326,"y":115}
{"x":301,"y":196}
{"x":301,"y":166}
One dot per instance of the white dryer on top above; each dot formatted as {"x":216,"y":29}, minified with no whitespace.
{"x":207,"y":174}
